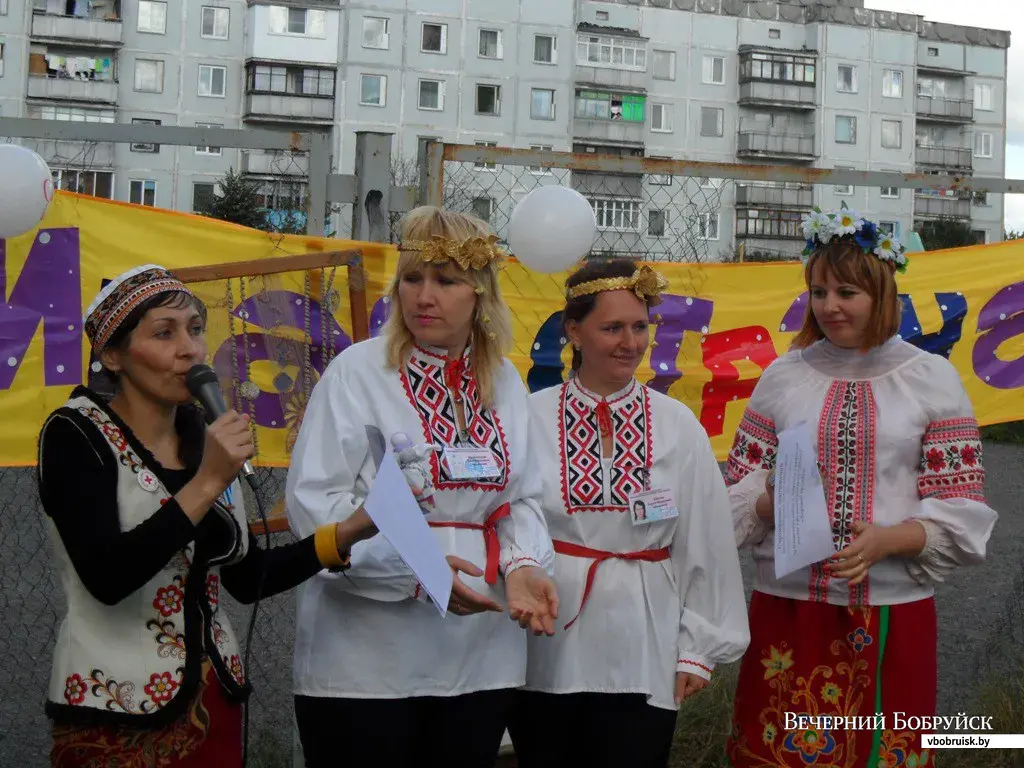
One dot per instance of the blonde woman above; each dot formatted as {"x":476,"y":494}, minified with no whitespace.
{"x":376,"y":669}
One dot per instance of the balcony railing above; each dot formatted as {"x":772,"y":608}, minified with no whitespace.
{"x":94,"y":155}
{"x":931,"y":206}
{"x":959,"y":158}
{"x":945,"y":109}
{"x":72,"y":89}
{"x":800,"y":198}
{"x":616,"y":131}
{"x":777,"y":144}
{"x":275,"y":163}
{"x":278,"y":107}
{"x":792,"y":95}
{"x":102,"y":32}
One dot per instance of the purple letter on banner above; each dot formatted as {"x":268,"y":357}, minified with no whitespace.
{"x":48,"y":289}
{"x":793,"y":320}
{"x":674,"y":317}
{"x":1001,"y":319}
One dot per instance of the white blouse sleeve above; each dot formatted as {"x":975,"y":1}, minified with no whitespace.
{"x":751,"y":457}
{"x":524,"y":536}
{"x":713,"y":627}
{"x":323,"y":487}
{"x":950,"y":479}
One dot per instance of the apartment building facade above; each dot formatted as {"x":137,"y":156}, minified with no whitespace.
{"x":789,"y":83}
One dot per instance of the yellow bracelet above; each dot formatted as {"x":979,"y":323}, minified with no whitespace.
{"x":325,"y":540}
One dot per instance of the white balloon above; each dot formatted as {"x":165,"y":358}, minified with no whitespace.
{"x":26,"y":188}
{"x":551,"y":229}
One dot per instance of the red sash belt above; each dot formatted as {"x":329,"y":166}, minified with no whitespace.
{"x":599,"y":556}
{"x":490,"y":529}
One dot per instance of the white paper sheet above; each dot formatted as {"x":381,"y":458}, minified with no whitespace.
{"x":803,"y":531}
{"x":393,"y":508}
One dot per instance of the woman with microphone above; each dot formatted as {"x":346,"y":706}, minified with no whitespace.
{"x":149,"y":523}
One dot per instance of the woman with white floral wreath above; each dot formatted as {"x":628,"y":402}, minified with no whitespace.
{"x":899,"y":454}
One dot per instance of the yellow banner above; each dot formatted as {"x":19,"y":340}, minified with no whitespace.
{"x":719,"y":326}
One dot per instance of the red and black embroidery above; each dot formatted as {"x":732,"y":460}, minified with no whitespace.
{"x":424,"y":381}
{"x":582,"y":472}
{"x":951,"y":465}
{"x":125,"y":455}
{"x":846,"y":457}
{"x":755,"y":447}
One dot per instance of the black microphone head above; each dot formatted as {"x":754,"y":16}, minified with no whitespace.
{"x":198,"y":376}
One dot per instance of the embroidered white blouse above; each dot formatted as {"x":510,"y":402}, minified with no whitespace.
{"x":897,"y":440}
{"x":683,"y":608}
{"x":368,"y":632}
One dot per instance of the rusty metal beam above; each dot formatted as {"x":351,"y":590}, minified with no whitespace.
{"x":739,"y":171}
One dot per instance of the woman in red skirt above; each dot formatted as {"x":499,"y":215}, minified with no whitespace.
{"x":841,"y":666}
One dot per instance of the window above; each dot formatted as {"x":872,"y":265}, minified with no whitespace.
{"x":372,"y":90}
{"x":142,"y":192}
{"x":95,"y":183}
{"x":707,"y":226}
{"x":375,"y":32}
{"x":980,"y":236}
{"x":714,"y":70}
{"x":843,"y":190}
{"x":661,"y":118}
{"x":215,"y":23}
{"x":602,"y":15}
{"x":483,"y":207}
{"x":774,"y":34}
{"x":927,"y":86}
{"x":489,"y":44}
{"x":431,"y":95}
{"x":775,"y":224}
{"x":1,"y":54}
{"x":660,"y":179}
{"x":3,"y":7}
{"x":151,"y":148}
{"x":846,"y":129}
{"x":540,"y":168}
{"x":656,"y":223}
{"x":596,"y":105}
{"x":617,"y":214}
{"x":892,"y":83}
{"x":74,"y":114}
{"x":212,"y":151}
{"x":712,"y":121}
{"x":614,"y":52}
{"x":663,"y":65}
{"x":847,"y":82}
{"x":296,"y":21}
{"x":488,"y":100}
{"x":203,"y":195}
{"x":983,"y":97}
{"x":983,"y":145}
{"x":212,"y":81}
{"x":778,"y":68}
{"x":298,"y":81}
{"x":486,"y":166}
{"x":933,"y":51}
{"x":152,"y":17}
{"x":149,"y":75}
{"x":890,"y":193}
{"x":892,"y":134}
{"x":434,"y":38}
{"x":542,"y":104}
{"x":979,"y":197}
{"x":544,"y":49}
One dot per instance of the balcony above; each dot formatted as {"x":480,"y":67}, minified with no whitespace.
{"x":72,"y":89}
{"x":781,"y":145}
{"x":92,"y":155}
{"x":768,"y":225}
{"x":761,"y":196}
{"x":934,"y":206}
{"x":102,"y":33}
{"x":275,"y":163}
{"x":758,"y":93}
{"x":953,"y":158}
{"x":941,"y":109}
{"x":285,"y":108}
{"x":600,"y":130}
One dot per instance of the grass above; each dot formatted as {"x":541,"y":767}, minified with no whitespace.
{"x":1010,"y":432}
{"x":704,"y":723}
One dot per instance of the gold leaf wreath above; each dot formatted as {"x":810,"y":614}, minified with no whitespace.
{"x":644,"y":282}
{"x":472,"y":253}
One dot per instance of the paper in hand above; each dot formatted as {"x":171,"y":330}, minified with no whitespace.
{"x":397,"y":515}
{"x":803,"y":531}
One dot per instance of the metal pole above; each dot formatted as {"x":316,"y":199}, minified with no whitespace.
{"x":432,"y":189}
{"x":319,"y":169}
{"x":370,"y":210}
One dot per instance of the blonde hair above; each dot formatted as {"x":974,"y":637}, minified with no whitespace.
{"x":850,"y":264}
{"x":491,"y":334}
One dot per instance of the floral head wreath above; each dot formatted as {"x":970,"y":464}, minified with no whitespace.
{"x":471,"y":253}
{"x":822,"y":228}
{"x":644,"y":282}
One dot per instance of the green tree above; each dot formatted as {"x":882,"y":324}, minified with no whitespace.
{"x":1013,"y":234}
{"x":238,"y":202}
{"x":947,"y":232}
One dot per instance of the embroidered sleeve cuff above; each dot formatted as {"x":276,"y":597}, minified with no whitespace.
{"x":517,"y":562}
{"x":695,"y":665}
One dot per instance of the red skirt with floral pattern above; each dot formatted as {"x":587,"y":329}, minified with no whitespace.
{"x":209,"y":733}
{"x":816,"y":659}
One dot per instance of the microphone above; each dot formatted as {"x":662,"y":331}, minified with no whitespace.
{"x":204,"y":386}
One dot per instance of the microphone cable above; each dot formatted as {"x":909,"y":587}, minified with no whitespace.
{"x":255,"y":608}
